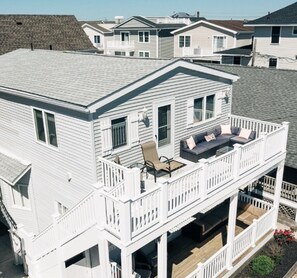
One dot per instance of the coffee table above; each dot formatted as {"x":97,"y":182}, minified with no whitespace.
{"x":223,"y":150}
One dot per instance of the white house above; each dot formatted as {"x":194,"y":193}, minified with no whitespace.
{"x":99,"y":33}
{"x":202,"y":39}
{"x":276,"y":38}
{"x":66,"y":116}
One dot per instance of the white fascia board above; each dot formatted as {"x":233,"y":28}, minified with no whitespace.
{"x":43,"y":99}
{"x":207,"y":23}
{"x":127,"y":20}
{"x":146,"y":79}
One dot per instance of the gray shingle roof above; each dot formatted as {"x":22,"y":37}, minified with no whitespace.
{"x":11,"y":169}
{"x":76,"y":78}
{"x":267,"y":94}
{"x":286,"y":15}
{"x":96,"y":24}
{"x":62,"y":32}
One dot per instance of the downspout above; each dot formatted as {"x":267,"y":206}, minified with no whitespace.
{"x":157,"y":43}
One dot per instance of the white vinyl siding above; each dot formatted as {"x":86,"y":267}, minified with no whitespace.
{"x":49,"y":180}
{"x":180,"y":87}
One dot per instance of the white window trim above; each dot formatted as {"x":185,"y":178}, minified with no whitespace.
{"x":280,"y":36}
{"x":293,"y":31}
{"x":225,"y":44}
{"x":185,"y":41}
{"x":95,"y":36}
{"x":149,"y":36}
{"x":144,"y":51}
{"x":13,"y":205}
{"x":45,"y":128}
{"x":129,"y":144}
{"x":217,"y":112}
{"x":57,"y":203}
{"x":276,"y":63}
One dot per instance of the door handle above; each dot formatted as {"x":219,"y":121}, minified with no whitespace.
{"x":156,"y":136}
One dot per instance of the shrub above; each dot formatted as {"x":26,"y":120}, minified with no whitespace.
{"x":262,"y":265}
{"x":283,"y":236}
{"x":275,"y":251}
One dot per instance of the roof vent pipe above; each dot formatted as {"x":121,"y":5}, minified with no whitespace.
{"x":118,"y":19}
{"x":197,"y":14}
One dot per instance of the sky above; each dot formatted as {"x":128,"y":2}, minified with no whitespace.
{"x":103,"y":9}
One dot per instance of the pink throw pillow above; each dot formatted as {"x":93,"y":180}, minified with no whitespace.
{"x":245,"y":133}
{"x":191,"y":143}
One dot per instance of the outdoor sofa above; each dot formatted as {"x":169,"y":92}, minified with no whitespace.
{"x":204,"y":149}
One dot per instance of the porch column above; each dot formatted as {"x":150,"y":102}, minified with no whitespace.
{"x":126,"y":263}
{"x":231,"y":228}
{"x":104,"y":258}
{"x":162,"y":256}
{"x":278,"y":189}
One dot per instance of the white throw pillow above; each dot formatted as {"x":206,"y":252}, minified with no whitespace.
{"x":245,"y":133}
{"x":210,"y":137}
{"x":226,"y":129}
{"x":191,"y":143}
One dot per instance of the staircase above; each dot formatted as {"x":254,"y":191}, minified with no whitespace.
{"x":7,"y":216}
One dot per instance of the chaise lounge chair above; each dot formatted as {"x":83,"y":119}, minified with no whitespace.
{"x":154,"y":162}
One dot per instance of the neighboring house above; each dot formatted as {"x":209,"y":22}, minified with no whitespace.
{"x":99,"y":33}
{"x":145,"y":37}
{"x":203,"y":39}
{"x":56,"y":32}
{"x":65,"y":117}
{"x":275,"y":39}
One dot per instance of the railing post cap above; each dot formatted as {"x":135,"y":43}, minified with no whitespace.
{"x":237,"y":146}
{"x":55,"y":215}
{"x":124,"y":199}
{"x":285,"y":123}
{"x":98,"y":185}
{"x":203,"y":160}
{"x":262,"y":133}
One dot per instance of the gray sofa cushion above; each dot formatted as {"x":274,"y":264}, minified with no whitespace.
{"x":199,"y":137}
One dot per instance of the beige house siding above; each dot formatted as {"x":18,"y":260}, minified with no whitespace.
{"x":285,"y":51}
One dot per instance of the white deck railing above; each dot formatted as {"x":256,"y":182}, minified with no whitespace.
{"x":116,"y":271}
{"x":215,"y":265}
{"x":126,"y":214}
{"x":289,"y":190}
{"x":120,"y":45}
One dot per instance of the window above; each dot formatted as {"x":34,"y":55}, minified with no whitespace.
{"x":294,"y":30}
{"x":120,"y":53}
{"x":204,"y":108}
{"x":184,"y":41}
{"x":61,"y":208}
{"x":219,"y":43}
{"x":20,"y":195}
{"x":144,"y":54}
{"x":119,"y":132}
{"x":125,"y":36}
{"x":275,"y":34}
{"x":96,"y":39}
{"x":144,"y":36}
{"x":273,"y":62}
{"x":45,"y":127}
{"x":236,"y":60}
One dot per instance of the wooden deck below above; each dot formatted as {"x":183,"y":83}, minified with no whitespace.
{"x":184,"y":253}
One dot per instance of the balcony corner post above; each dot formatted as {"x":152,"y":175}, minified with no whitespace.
{"x":238,"y":149}
{"x":286,"y":125}
{"x":263,"y":136}
{"x":204,"y":177}
{"x":278,"y":189}
{"x":100,"y":205}
{"x":132,"y":182}
{"x":125,"y":220}
{"x":200,"y":270}
{"x":163,"y":201}
{"x":254,"y":233}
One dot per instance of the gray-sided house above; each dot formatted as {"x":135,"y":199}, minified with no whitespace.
{"x":77,"y":187}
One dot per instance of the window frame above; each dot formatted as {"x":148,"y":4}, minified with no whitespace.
{"x":127,"y":133}
{"x":144,"y":52}
{"x":276,"y":62}
{"x":184,"y":41}
{"x":204,"y":103}
{"x":95,"y":39}
{"x":294,"y":29}
{"x":46,"y":128}
{"x":143,"y":36}
{"x":14,"y":194}
{"x":225,"y":38}
{"x":60,"y":208}
{"x":279,"y":35}
{"x":125,"y":32}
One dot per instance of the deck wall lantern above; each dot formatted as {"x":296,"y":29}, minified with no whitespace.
{"x":142,"y":115}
